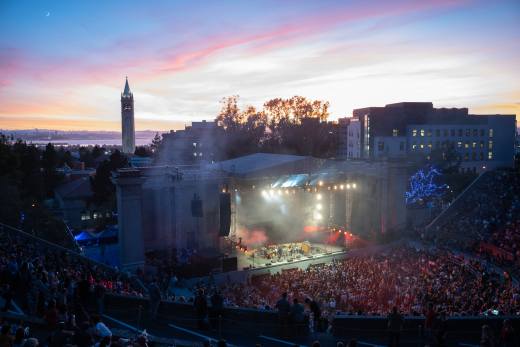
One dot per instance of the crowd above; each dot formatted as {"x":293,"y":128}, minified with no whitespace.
{"x":489,"y":216}
{"x":42,"y":278}
{"x":407,"y":278}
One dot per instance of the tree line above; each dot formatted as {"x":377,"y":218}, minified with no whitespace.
{"x":290,"y":126}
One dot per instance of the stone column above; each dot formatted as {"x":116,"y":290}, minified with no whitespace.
{"x":129,"y":218}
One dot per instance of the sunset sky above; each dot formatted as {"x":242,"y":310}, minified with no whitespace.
{"x":63,"y":63}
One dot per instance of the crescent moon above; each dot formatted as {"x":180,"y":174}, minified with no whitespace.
{"x":47,"y":14}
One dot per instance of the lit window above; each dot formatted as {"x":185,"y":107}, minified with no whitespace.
{"x":421,"y":145}
{"x":414,"y":132}
{"x":194,"y":154}
{"x":414,"y":146}
{"x":395,"y":132}
{"x":490,"y":132}
{"x":474,"y":145}
{"x":490,"y":155}
{"x":481,"y":144}
{"x":466,"y":145}
{"x":422,"y":132}
{"x":200,"y":154}
{"x":459,"y":144}
{"x":430,"y":145}
{"x":194,"y":144}
{"x":490,"y":144}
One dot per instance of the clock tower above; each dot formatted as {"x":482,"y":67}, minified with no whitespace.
{"x":127,"y":120}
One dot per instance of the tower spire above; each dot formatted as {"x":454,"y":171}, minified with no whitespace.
{"x":127,"y":92}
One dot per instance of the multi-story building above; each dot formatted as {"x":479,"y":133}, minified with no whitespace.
{"x":196,"y":143}
{"x":348,"y":138}
{"x":403,"y":129}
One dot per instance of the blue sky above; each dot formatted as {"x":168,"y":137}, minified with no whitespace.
{"x":63,"y":63}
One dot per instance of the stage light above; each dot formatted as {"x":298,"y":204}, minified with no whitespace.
{"x":318,"y":196}
{"x":319,"y":207}
{"x":354,"y":185}
{"x":348,"y":185}
{"x":320,"y":183}
{"x":341,"y":186}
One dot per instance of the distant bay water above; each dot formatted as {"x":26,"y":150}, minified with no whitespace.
{"x":90,"y":142}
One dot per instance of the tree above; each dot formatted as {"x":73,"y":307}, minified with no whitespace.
{"x":49,"y":164}
{"x":156,"y":143}
{"x":230,"y":116}
{"x":102,"y":187}
{"x":142,"y":151}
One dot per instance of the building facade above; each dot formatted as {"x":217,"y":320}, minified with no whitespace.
{"x":195,"y":144}
{"x":411,"y":129}
{"x":127,"y":120}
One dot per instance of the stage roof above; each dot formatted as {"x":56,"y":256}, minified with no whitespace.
{"x":257,"y":162}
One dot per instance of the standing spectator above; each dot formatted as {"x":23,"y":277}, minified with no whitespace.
{"x":395,"y":325}
{"x":6,"y":340}
{"x":201,"y":308}
{"x":507,"y":335}
{"x":217,"y":305}
{"x":155,"y":298}
{"x":297,"y":316}
{"x":99,"y":294}
{"x":19,"y":337}
{"x":429,"y":320}
{"x":316,"y":313}
{"x":486,"y":339}
{"x":284,"y":309}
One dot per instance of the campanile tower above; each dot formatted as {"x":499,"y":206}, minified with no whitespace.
{"x":127,"y":120}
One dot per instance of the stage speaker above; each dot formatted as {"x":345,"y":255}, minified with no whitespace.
{"x":229,"y":264}
{"x":196,"y":207}
{"x":225,"y":214}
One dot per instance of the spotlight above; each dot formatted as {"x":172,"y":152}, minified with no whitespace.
{"x":318,"y":197}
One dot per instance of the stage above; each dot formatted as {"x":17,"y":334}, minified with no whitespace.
{"x":289,"y":253}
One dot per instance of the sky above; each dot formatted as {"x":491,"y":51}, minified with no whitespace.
{"x":63,"y":63}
